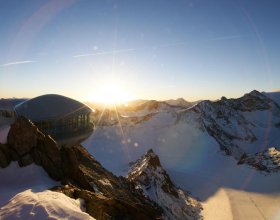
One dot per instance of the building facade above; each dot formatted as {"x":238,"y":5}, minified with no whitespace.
{"x":66,"y":120}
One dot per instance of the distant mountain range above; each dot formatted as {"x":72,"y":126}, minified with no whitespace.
{"x":246,"y":125}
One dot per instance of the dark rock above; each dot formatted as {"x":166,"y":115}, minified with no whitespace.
{"x":44,"y":160}
{"x":27,"y":145}
{"x":22,"y":136}
{"x":106,"y":196}
{"x":267,"y":161}
{"x":74,"y":168}
{"x":25,"y":160}
{"x":153,"y":159}
{"x":223,"y":98}
{"x":5,"y":157}
{"x":47,"y":154}
{"x":13,"y":154}
{"x":242,"y":159}
{"x":252,"y":101}
{"x":103,"y":208}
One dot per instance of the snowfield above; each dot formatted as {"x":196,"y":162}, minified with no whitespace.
{"x":24,"y":195}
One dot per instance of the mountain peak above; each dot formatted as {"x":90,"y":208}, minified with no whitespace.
{"x":149,"y":176}
{"x":152,"y":159}
{"x":256,"y":94}
{"x":181,"y":99}
{"x":179,"y":102}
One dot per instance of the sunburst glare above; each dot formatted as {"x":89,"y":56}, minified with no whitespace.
{"x":111,"y":92}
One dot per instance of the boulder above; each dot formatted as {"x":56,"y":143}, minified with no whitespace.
{"x":25,"y":160}
{"x":22,"y":136}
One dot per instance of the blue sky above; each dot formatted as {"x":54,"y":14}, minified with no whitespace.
{"x":155,"y":49}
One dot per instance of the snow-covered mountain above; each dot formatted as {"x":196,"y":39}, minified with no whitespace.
{"x":249,"y":124}
{"x":156,"y":184}
{"x":138,"y":109}
{"x":180,"y":102}
{"x":193,"y":145}
{"x":275,"y":96}
{"x":151,"y":106}
{"x":245,"y":125}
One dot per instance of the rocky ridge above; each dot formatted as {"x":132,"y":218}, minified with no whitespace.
{"x":156,"y":184}
{"x":268,"y":161}
{"x":227,"y":120}
{"x":106,"y":196}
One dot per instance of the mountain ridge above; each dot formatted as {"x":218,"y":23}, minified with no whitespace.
{"x":238,"y":125}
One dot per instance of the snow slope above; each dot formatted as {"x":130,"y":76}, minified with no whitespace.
{"x":24,"y":195}
{"x":274,"y":95}
{"x":43,"y":205}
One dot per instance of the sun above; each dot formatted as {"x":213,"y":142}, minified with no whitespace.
{"x":111,"y":92}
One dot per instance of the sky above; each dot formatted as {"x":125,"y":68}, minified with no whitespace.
{"x":148,"y":49}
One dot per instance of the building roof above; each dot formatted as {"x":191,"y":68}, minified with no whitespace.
{"x":51,"y":106}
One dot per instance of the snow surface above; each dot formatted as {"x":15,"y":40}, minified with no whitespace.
{"x":24,"y":195}
{"x":263,"y":128}
{"x":275,"y":96}
{"x":43,"y":205}
{"x":195,"y":163}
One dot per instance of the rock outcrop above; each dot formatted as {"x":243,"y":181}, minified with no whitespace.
{"x":267,"y":161}
{"x":149,"y":176}
{"x":106,"y":196}
{"x":229,"y":122}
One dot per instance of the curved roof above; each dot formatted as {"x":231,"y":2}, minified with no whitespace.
{"x":51,"y":106}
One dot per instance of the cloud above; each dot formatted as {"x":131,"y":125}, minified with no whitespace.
{"x":104,"y":52}
{"x":18,"y":63}
{"x":228,"y":37}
